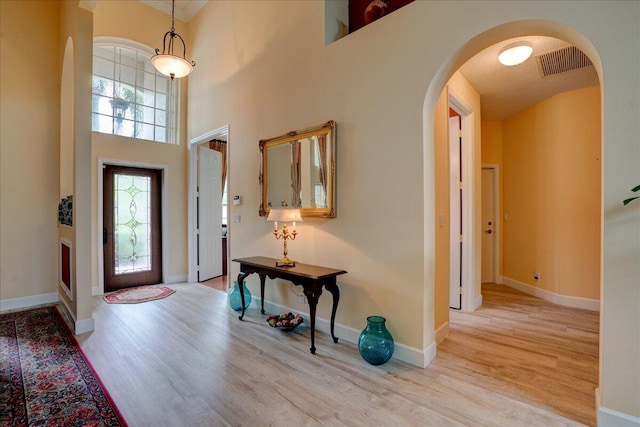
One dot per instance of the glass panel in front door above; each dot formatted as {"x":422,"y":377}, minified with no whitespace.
{"x":132,"y":223}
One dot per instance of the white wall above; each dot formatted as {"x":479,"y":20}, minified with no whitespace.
{"x":263,"y":69}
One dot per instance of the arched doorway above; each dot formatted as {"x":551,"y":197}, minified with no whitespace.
{"x":434,"y":92}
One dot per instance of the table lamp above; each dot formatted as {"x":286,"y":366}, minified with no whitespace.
{"x":285,"y":215}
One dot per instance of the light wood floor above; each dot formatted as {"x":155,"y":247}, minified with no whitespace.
{"x":187,"y":360}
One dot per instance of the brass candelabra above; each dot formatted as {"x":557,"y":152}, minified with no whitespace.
{"x":285,"y":215}
{"x":285,"y":235}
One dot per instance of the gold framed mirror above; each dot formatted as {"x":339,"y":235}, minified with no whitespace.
{"x":298,"y":169}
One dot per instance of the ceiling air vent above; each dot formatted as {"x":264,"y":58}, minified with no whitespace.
{"x":562,"y":60}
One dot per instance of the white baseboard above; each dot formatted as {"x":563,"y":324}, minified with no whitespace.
{"x":429,"y":354}
{"x":405,"y":353}
{"x":477,"y":303}
{"x":84,"y":325}
{"x":25,"y":302}
{"x":79,"y":326}
{"x":611,"y":418}
{"x":442,"y":332}
{"x":568,"y":301}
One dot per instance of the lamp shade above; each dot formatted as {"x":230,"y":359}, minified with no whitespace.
{"x":284,"y":215}
{"x":171,"y":65}
{"x":515,"y":53}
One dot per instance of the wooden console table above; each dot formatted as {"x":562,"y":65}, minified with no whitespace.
{"x":311,"y":277}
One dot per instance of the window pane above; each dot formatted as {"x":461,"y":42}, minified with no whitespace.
{"x":146,"y":131}
{"x":145,"y":61}
{"x":161,"y":118}
{"x":124,"y":128}
{"x":126,"y":74}
{"x":101,"y":123}
{"x":102,"y":105}
{"x":126,"y":56}
{"x":102,"y":67}
{"x":146,"y":115}
{"x":102,"y":86}
{"x":122,"y":109}
{"x":148,"y":98}
{"x":146,"y":80}
{"x":125,"y":91}
{"x":105,"y":52}
{"x":161,"y":101}
{"x":162,"y":85}
{"x":161,"y":134}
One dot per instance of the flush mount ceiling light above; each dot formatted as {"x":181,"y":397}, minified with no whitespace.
{"x":166,"y":62}
{"x":515,"y":53}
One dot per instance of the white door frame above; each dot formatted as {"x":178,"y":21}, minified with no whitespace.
{"x":220,"y":133}
{"x":497,"y":220}
{"x":99,"y":290}
{"x":470,"y":281}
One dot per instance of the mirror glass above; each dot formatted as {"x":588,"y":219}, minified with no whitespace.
{"x":298,"y":170}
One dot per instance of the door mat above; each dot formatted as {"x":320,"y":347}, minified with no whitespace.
{"x":138,"y":294}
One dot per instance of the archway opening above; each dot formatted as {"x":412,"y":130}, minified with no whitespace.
{"x":554,"y":288}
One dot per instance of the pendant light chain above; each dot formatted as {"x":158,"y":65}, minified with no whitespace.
{"x":173,"y":11}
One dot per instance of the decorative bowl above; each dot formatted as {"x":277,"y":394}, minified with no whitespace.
{"x":285,"y":321}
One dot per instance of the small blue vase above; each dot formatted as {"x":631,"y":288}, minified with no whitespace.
{"x":235,"y":299}
{"x":375,"y":342}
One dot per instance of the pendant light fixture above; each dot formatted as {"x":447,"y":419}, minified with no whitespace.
{"x":166,"y":62}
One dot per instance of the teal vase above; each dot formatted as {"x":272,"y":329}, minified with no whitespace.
{"x":235,"y":299}
{"x":376,"y":343}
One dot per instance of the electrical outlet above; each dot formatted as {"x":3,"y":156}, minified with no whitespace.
{"x":301,"y":299}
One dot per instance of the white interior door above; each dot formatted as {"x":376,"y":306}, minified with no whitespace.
{"x":455,"y":213}
{"x":488,"y":225}
{"x":209,"y":213}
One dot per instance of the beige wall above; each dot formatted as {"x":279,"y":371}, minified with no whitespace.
{"x":264,"y":69}
{"x":551,"y":181}
{"x":30,"y":94}
{"x":122,"y":19}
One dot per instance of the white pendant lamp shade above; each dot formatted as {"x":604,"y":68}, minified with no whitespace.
{"x":171,"y":65}
{"x":515,"y":53}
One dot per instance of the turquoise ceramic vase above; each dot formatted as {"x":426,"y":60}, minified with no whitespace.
{"x":375,"y":342}
{"x":235,"y":299}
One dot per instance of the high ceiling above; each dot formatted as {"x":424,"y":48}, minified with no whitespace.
{"x":504,"y":91}
{"x":185,"y":9}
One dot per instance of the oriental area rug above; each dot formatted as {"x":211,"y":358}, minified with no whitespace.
{"x":138,"y":294}
{"x":45,"y":379}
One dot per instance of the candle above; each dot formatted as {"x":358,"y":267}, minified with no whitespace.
{"x":275,"y":226}
{"x":294,"y":226}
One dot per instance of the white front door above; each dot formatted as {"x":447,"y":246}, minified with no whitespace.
{"x":209,"y":213}
{"x":488,"y":225}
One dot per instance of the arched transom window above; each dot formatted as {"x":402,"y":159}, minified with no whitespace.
{"x":130,"y":98}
